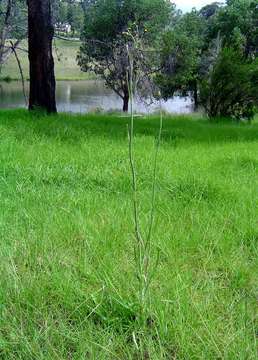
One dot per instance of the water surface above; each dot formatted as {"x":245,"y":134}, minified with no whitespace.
{"x":87,"y":96}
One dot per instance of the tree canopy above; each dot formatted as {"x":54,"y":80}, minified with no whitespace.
{"x":104,"y":42}
{"x":196,"y":53}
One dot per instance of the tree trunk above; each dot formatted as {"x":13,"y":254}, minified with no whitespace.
{"x":126,"y":101}
{"x":196,"y":99}
{"x":40,"y":36}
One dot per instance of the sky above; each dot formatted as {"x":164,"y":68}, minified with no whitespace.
{"x":187,"y":5}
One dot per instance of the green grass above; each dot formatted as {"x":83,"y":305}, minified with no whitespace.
{"x":66,"y":67}
{"x":67,"y":285}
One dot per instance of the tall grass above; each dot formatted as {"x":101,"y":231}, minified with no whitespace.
{"x":67,"y":280}
{"x":143,"y":254}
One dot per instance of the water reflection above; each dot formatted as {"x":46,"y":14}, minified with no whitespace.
{"x":87,"y":96}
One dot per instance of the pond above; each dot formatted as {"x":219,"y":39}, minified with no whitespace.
{"x":87,"y":96}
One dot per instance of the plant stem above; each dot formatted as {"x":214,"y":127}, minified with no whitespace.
{"x":142,"y":248}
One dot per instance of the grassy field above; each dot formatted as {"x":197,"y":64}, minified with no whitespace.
{"x":66,"y":67}
{"x":67,"y":285}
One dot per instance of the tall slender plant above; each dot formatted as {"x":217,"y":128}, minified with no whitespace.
{"x":143,"y":254}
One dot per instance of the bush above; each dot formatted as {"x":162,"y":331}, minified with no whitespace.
{"x":230,"y":89}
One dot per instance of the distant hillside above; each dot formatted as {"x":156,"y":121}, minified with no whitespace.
{"x":66,"y":67}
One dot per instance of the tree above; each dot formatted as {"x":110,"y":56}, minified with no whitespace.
{"x":229,"y":70}
{"x":181,"y":49}
{"x":178,"y":65}
{"x":237,"y":23}
{"x":209,"y":10}
{"x":13,"y":18}
{"x":5,"y":27}
{"x":59,"y":9}
{"x":230,"y":90}
{"x":104,"y":44}
{"x":70,"y":12}
{"x":75,"y":15}
{"x":40,"y":36}
{"x":191,"y":47}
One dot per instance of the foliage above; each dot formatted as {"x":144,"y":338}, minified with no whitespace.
{"x":13,"y":25}
{"x":178,"y":63}
{"x":70,"y":12}
{"x":104,"y":37}
{"x":209,"y":10}
{"x":17,"y":22}
{"x":191,"y":48}
{"x":231,"y":87}
{"x":181,"y":48}
{"x":237,"y":24}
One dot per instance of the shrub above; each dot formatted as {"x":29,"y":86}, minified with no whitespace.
{"x":230,"y":89}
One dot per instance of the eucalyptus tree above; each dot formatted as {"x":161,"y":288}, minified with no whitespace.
{"x":40,"y":36}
